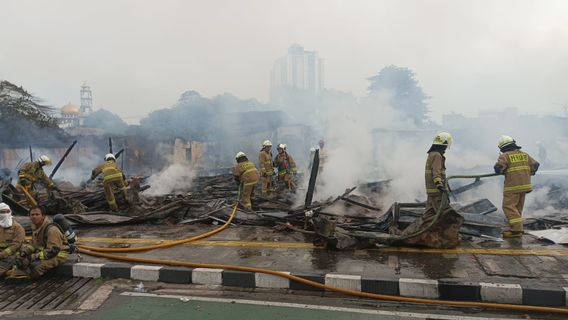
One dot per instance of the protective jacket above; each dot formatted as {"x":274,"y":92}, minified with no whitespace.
{"x":49,"y":242}
{"x":265,"y":162}
{"x":518,"y":167}
{"x":246,"y":173}
{"x":435,"y":174}
{"x":32,"y":172}
{"x":11,"y":239}
{"x":110,"y":171}
{"x":285,"y":163}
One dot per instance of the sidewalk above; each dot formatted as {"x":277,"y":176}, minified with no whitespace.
{"x":519,"y":271}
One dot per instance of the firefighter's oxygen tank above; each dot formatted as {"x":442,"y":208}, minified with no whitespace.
{"x":67,"y":231}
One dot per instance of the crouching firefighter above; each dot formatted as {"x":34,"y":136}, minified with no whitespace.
{"x":518,"y":167}
{"x":48,"y":249}
{"x":31,"y":173}
{"x":113,"y":178}
{"x":12,"y":236}
{"x":246,"y":175}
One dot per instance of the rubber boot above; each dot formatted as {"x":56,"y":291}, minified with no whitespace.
{"x":17,"y":276}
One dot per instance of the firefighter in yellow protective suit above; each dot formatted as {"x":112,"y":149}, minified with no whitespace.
{"x":31,"y":173}
{"x":435,"y":173}
{"x":246,"y":174}
{"x":113,"y":179}
{"x":266,"y":167}
{"x":286,"y":167}
{"x":518,"y":167}
{"x":48,"y":249}
{"x":12,"y":235}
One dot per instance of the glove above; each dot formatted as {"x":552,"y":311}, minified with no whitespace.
{"x":441,"y":188}
{"x":22,"y":261}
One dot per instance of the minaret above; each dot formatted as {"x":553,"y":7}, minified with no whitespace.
{"x":86,"y":99}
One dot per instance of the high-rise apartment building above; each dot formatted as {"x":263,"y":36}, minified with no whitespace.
{"x":298,"y":69}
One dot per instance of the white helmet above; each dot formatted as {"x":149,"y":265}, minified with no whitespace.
{"x":505,"y":141}
{"x":44,"y":160}
{"x":312,"y":149}
{"x":282,"y":146}
{"x":267,"y":143}
{"x":240,"y":154}
{"x":110,"y":156}
{"x":443,"y":138}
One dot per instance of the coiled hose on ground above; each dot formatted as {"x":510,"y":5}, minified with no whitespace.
{"x":103,"y":253}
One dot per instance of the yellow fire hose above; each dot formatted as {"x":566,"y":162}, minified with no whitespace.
{"x":100,"y":252}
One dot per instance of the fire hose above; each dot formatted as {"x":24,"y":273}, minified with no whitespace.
{"x":103,"y":253}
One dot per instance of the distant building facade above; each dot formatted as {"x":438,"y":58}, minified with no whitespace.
{"x":298,"y":69}
{"x":73,"y":116}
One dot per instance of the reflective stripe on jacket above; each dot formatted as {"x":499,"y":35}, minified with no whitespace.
{"x":435,"y":172}
{"x":32,"y":172}
{"x":265,"y":162}
{"x":109,"y":170}
{"x":246,"y":173}
{"x":518,"y":166}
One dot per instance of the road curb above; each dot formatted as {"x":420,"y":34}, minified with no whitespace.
{"x":446,"y":289}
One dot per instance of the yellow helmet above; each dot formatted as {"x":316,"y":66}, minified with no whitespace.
{"x":443,"y":138}
{"x":240,"y":154}
{"x":505,"y":141}
{"x":267,"y":143}
{"x":44,"y":160}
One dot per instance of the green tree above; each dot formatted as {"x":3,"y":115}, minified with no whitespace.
{"x":405,"y":95}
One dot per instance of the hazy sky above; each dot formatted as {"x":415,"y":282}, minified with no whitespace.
{"x":139,"y":56}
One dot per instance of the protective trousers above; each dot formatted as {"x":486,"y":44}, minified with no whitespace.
{"x":110,"y":186}
{"x":266,"y":184}
{"x":247,"y":193}
{"x":39,"y":267}
{"x":433,"y":202}
{"x":513,"y":204}
{"x":6,"y":264}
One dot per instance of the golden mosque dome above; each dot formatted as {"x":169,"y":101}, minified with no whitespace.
{"x":70,"y":109}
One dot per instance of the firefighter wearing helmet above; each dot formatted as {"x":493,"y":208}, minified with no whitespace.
{"x":31,"y":173}
{"x":246,"y":175}
{"x":113,"y":180}
{"x":286,"y":167}
{"x":266,"y":167}
{"x":518,"y":167}
{"x":435,"y":174}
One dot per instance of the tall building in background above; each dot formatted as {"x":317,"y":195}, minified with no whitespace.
{"x":298,"y":69}
{"x":86,"y":99}
{"x":73,"y":116}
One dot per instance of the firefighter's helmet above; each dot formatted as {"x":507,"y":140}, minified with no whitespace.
{"x":110,"y":156}
{"x":44,"y":160}
{"x":505,"y":141}
{"x":443,"y":138}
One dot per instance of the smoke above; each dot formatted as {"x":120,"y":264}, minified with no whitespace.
{"x":175,"y":178}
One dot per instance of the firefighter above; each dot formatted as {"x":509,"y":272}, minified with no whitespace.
{"x":266,"y":167}
{"x":113,"y":178}
{"x":435,"y":174}
{"x":246,"y":175}
{"x":286,"y":167}
{"x":12,"y":235}
{"x":29,"y":174}
{"x":518,"y":167}
{"x":48,"y":249}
